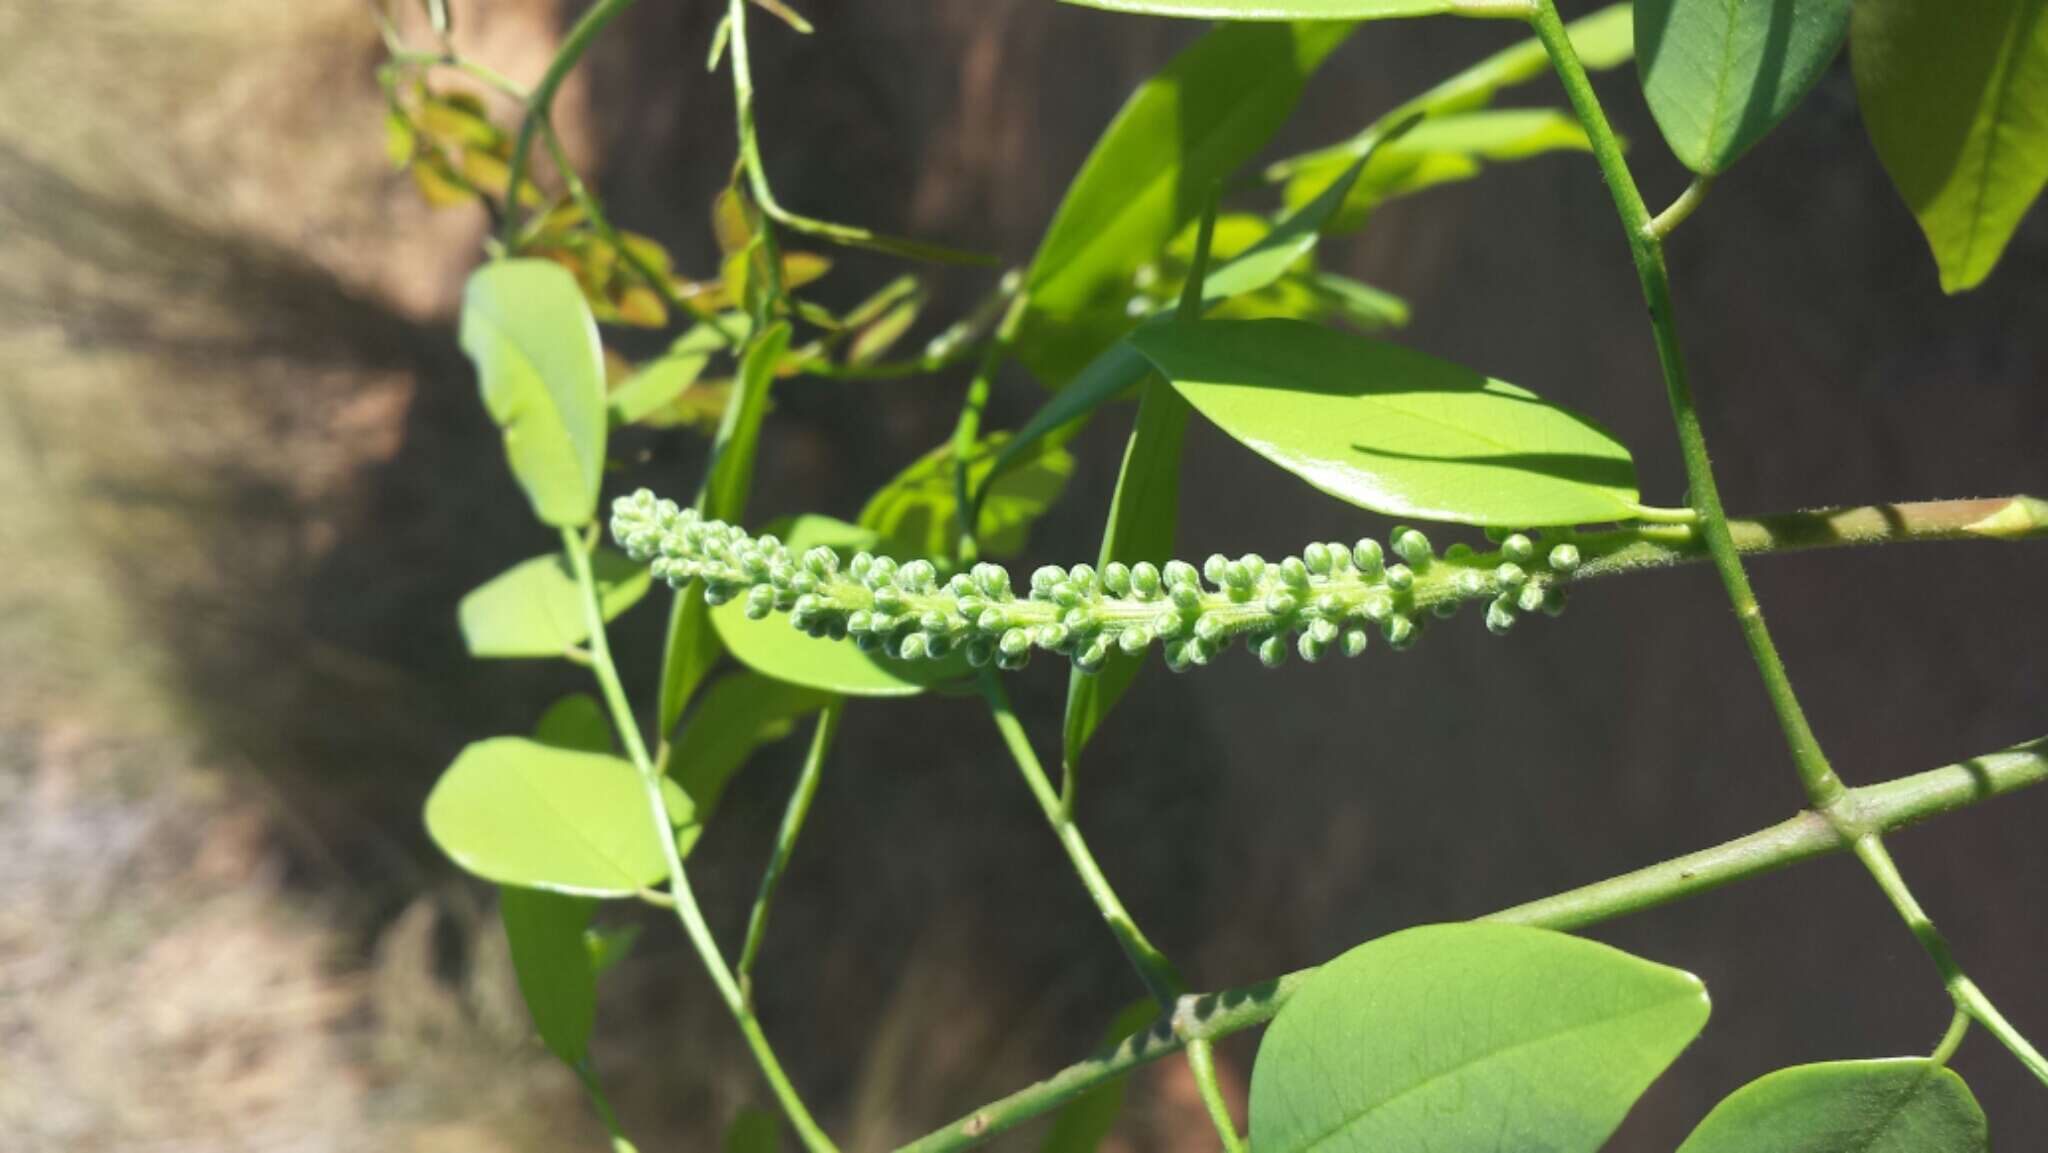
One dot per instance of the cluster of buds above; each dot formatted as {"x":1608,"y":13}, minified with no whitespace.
{"x":1331,"y":597}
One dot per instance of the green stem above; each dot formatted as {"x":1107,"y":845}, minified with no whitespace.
{"x":1882,"y":807}
{"x":1665,"y":222}
{"x":785,"y":839}
{"x":687,"y":910}
{"x":1202,"y":1062}
{"x":967,"y":429}
{"x":1160,"y":978}
{"x":1823,"y":788}
{"x":1952,"y":1039}
{"x":540,"y":106}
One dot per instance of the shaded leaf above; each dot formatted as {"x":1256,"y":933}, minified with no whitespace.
{"x":1469,"y":1039}
{"x":576,"y":722}
{"x":535,"y":609}
{"x":1955,"y":97}
{"x":917,"y":514}
{"x":1393,"y":430}
{"x":535,"y":346}
{"x":737,"y":715}
{"x":553,"y":966}
{"x":1718,"y":75}
{"x":1905,"y":1105}
{"x":519,"y":812}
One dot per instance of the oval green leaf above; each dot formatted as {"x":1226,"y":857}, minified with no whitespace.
{"x":534,"y":608}
{"x":519,"y":812}
{"x":1469,"y":1039}
{"x":1720,"y":73}
{"x":529,"y":331}
{"x":1181,"y":132}
{"x":1392,"y":430}
{"x":1906,"y":1105}
{"x":775,"y":648}
{"x":1955,"y":97}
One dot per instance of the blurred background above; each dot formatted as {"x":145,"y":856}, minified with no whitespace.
{"x":244,"y":477}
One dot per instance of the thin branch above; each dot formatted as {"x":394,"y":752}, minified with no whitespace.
{"x":785,"y":839}
{"x":1889,"y":806}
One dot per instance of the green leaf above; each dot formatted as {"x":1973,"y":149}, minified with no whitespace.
{"x":576,"y":722}
{"x":1955,"y":97}
{"x":1468,"y":1039}
{"x":519,"y":812}
{"x":658,"y":383}
{"x":1439,"y":150}
{"x":1905,"y":1105}
{"x":1181,"y":132}
{"x":553,"y":966}
{"x":1363,"y":306}
{"x":1393,"y":430}
{"x":774,"y":648}
{"x":917,"y":514}
{"x":691,"y":647}
{"x":738,"y":714}
{"x":1143,"y":516}
{"x":606,"y":947}
{"x":526,"y":326}
{"x":1602,"y":40}
{"x":1275,"y":9}
{"x":1081,"y":1125}
{"x":1720,"y":73}
{"x":753,"y":1131}
{"x":534,"y":608}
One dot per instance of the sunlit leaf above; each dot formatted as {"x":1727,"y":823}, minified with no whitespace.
{"x":519,"y":812}
{"x":1905,"y":1105}
{"x":535,"y":609}
{"x":1393,"y":430}
{"x":1469,"y":1039}
{"x":774,"y":648}
{"x":1719,"y":75}
{"x":535,"y":346}
{"x":1955,"y":97}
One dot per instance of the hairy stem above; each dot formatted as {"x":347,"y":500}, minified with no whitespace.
{"x":687,"y":910}
{"x":1882,"y":807}
{"x":785,"y":839}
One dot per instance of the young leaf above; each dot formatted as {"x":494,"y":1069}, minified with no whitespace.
{"x":575,"y":722}
{"x":657,"y":384}
{"x":1180,"y":133}
{"x":917,"y":514}
{"x":528,"y":329}
{"x":737,"y":715}
{"x":534,"y":608}
{"x":1439,"y":150}
{"x":773,"y":648}
{"x":1469,"y":1038}
{"x":1276,"y":9}
{"x":1394,"y":430}
{"x":1720,"y":74}
{"x":1905,"y":1105}
{"x":1955,"y":98}
{"x":1082,"y":1124}
{"x":691,"y":647}
{"x":553,"y":966}
{"x":519,"y":812}
{"x":1142,"y":518}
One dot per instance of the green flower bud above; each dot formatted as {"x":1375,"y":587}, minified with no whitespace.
{"x":1044,"y":578}
{"x":1400,"y":578}
{"x":1378,"y":607}
{"x":1254,"y":564}
{"x":1311,"y":649}
{"x":882,"y":572}
{"x":1176,"y":652}
{"x":1511,"y":575}
{"x":760,"y":602}
{"x":933,"y":621}
{"x":917,"y":576}
{"x":821,"y":562}
{"x":1214,"y":568}
{"x":1014,"y":643}
{"x":1078,"y":617}
{"x":1340,"y":557}
{"x":938,"y":646}
{"x":1052,"y":636}
{"x":1237,"y":577}
{"x":1530,"y":597}
{"x":960,"y":585}
{"x":1013,"y":663}
{"x":890,"y":599}
{"x":1518,"y":548}
{"x":993,"y":580}
{"x":1399,"y":631}
{"x":1294,"y":572}
{"x":1458,"y":551}
{"x":859,"y":622}
{"x":1564,"y":558}
{"x":981,"y":652}
{"x":992,"y":620}
{"x":1210,"y":629}
{"x":1324,"y":630}
{"x":1116,"y":579}
{"x":913,"y":647}
{"x":1145,"y":580}
{"x":1280,"y":602}
{"x":1133,"y":640}
{"x":1500,"y":616}
{"x":860,"y":566}
{"x":1186,"y":597}
{"x":1067,"y":594}
{"x":1083,"y":578}
{"x":1469,"y":583}
{"x":1329,"y":606}
{"x":1091,"y":658}
{"x":1413,"y":547}
{"x":1272,"y":650}
{"x":1178,"y":573}
{"x":1316,"y":558}
{"x":1355,"y":640}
